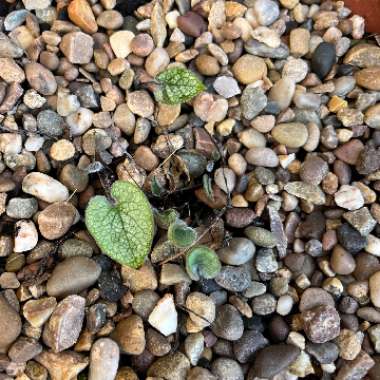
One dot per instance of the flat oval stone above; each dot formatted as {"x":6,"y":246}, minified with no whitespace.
{"x":72,"y":275}
{"x":292,"y":135}
{"x":261,"y":156}
{"x":44,"y":187}
{"x":369,"y":78}
{"x":323,"y":59}
{"x":363,"y":55}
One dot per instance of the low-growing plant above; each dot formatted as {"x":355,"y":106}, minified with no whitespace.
{"x":177,"y":85}
{"x":123,"y":227}
{"x":202,"y":262}
{"x":181,"y":235}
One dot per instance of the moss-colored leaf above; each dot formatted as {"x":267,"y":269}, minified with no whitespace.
{"x":181,"y":235}
{"x":124,"y":230}
{"x":178,"y":85}
{"x":165,"y":218}
{"x":202,"y":262}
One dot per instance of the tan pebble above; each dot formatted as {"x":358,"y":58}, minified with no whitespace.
{"x":140,"y":103}
{"x":157,"y":61}
{"x":62,"y":150}
{"x":56,"y":219}
{"x":142,"y":45}
{"x":121,"y":43}
{"x":80,"y":13}
{"x":207,"y":65}
{"x":145,"y":158}
{"x":248,"y":69}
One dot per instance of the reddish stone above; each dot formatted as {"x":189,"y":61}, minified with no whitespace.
{"x":370,"y":10}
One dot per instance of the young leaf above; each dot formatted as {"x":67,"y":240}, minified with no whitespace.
{"x":178,"y":85}
{"x":124,"y":230}
{"x":202,"y":262}
{"x":181,"y":235}
{"x":165,"y":218}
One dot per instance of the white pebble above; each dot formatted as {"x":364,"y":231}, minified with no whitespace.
{"x":26,"y":236}
{"x":349,"y":198}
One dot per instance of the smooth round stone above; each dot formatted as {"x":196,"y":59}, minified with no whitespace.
{"x":56,"y":219}
{"x":192,"y":24}
{"x":72,"y":276}
{"x":10,"y":324}
{"x":248,"y":69}
{"x":227,"y":369}
{"x":272,"y":360}
{"x":226,"y":86}
{"x":62,"y":150}
{"x":323,"y":59}
{"x":342,"y":262}
{"x":239,"y":251}
{"x":22,"y":208}
{"x":372,"y":116}
{"x":110,"y":19}
{"x":295,"y":69}
{"x":264,"y":304}
{"x":251,"y":138}
{"x":44,"y":187}
{"x":261,"y":156}
{"x":130,"y":335}
{"x":104,"y":360}
{"x":369,"y":78}
{"x":261,"y":236}
{"x":228,"y":323}
{"x":79,"y":121}
{"x":234,"y":279}
{"x":344,"y":85}
{"x":292,"y":135}
{"x":266,"y":11}
{"x":50,"y":123}
{"x":73,"y":178}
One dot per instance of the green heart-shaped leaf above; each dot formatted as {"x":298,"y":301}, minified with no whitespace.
{"x":123,"y":231}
